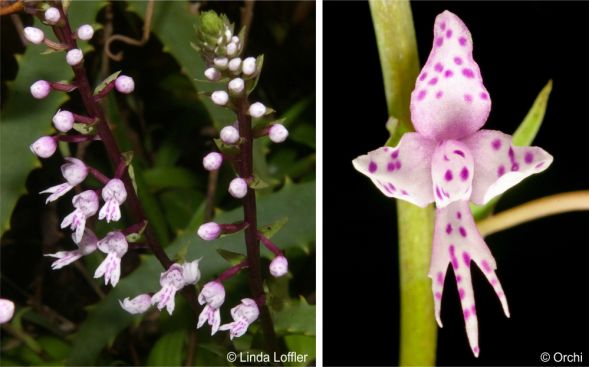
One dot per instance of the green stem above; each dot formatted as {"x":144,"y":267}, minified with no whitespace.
{"x":395,"y":35}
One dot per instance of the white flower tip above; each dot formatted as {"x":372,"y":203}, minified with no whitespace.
{"x":212,"y":161}
{"x":278,"y":133}
{"x":125,"y":84}
{"x":229,"y":135}
{"x":63,"y":121}
{"x":221,"y":62}
{"x":235,"y":65}
{"x":190,"y":272}
{"x":40,"y":89}
{"x":279,"y":266}
{"x":220,"y":97}
{"x":6,"y":310}
{"x":209,"y":231}
{"x":236,"y":86}
{"x":85,"y":32}
{"x":212,"y":74}
{"x":34,"y":35}
{"x":257,"y":110}
{"x":74,"y":57}
{"x":44,"y":147}
{"x":249,"y":66}
{"x":238,"y":188}
{"x":235,"y":39}
{"x":52,"y":15}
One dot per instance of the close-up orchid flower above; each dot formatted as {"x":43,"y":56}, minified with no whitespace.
{"x":451,"y":161}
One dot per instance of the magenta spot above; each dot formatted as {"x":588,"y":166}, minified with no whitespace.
{"x":476,"y":350}
{"x":452,"y":250}
{"x":466,"y":258}
{"x":458,"y":60}
{"x":372,"y":167}
{"x":464,"y":174}
{"x":448,"y":175}
{"x":473,"y":310}
{"x":421,"y":94}
{"x":438,"y":295}
{"x":461,"y":293}
{"x":449,"y":228}
{"x":500,"y":171}
{"x":466,"y":314}
{"x":494,"y":282}
{"x":386,"y":149}
{"x":439,"y":41}
{"x":539,"y":165}
{"x":462,"y":231}
{"x":458,"y":215}
{"x":391,"y":166}
{"x":438,"y":67}
{"x":385,"y":187}
{"x":398,"y":165}
{"x":443,"y":25}
{"x":440,"y":278}
{"x":486,"y":266}
{"x":446,"y":158}
{"x":439,"y":94}
{"x":438,"y":193}
{"x":448,"y":33}
{"x":467,"y":98}
{"x":500,"y":294}
{"x":484,"y":95}
{"x":433,"y":81}
{"x":423,"y":76}
{"x":392,"y":187}
{"x":395,"y":154}
{"x":462,"y":41}
{"x":529,"y":157}
{"x":468,"y":73}
{"x":403,"y":192}
{"x":458,"y":279}
{"x":511,"y":153}
{"x":454,"y":263}
{"x":448,"y":73}
{"x":496,"y":144}
{"x":515,"y":167}
{"x":459,"y":152}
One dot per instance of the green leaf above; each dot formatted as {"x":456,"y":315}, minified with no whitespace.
{"x":168,"y":350}
{"x":524,"y":135}
{"x":232,"y":258}
{"x":258,"y":184}
{"x":270,"y":230}
{"x":24,"y":119}
{"x":86,"y":129}
{"x":296,"y":317}
{"x":158,"y":178}
{"x":259,"y":65}
{"x":111,"y":78}
{"x":107,"y":319}
{"x":304,"y":346}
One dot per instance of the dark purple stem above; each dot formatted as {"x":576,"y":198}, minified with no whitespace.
{"x":232,"y":271}
{"x":62,"y":87}
{"x":269,"y":244}
{"x":65,"y":35}
{"x":245,"y":170}
{"x":101,"y":177}
{"x":83,"y":119}
{"x":135,"y":228}
{"x":233,"y":227}
{"x":75,"y":138}
{"x":104,"y":91}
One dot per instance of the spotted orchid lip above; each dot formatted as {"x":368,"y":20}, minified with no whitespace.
{"x":451,"y":162}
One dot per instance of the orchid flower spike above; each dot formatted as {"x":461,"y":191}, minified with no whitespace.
{"x":451,"y":161}
{"x":114,"y":194}
{"x":86,"y":204}
{"x":86,"y":246}
{"x":212,"y":296}
{"x":74,"y":172}
{"x":243,"y":315}
{"x":137,"y":305}
{"x":115,"y":246}
{"x":6,"y":310}
{"x":171,"y":281}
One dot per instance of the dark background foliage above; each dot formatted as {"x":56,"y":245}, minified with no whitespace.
{"x":167,"y":126}
{"x":543,"y":265}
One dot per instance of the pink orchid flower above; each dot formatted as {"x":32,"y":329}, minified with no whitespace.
{"x":212,"y":296}
{"x":171,"y":281}
{"x":74,"y":172}
{"x":86,"y":204}
{"x":451,"y":161}
{"x":244,"y":314}
{"x":86,"y":246}
{"x":115,"y":245}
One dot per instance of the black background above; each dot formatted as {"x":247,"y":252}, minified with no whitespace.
{"x":543,"y":265}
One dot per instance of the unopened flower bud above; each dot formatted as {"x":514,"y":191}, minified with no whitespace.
{"x":125,"y":84}
{"x":74,"y":171}
{"x":278,"y":133}
{"x":40,"y":89}
{"x":212,"y":74}
{"x":235,"y":65}
{"x":34,"y":35}
{"x":6,"y":310}
{"x":248,"y":66}
{"x":238,"y":188}
{"x":235,"y":39}
{"x":74,"y":57}
{"x":236,"y":86}
{"x":257,"y":110}
{"x":137,"y":305}
{"x":52,"y":15}
{"x":231,"y":49}
{"x":229,"y":135}
{"x":63,"y":120}
{"x":44,"y":147}
{"x":85,"y":32}
{"x":209,"y":231}
{"x":212,"y":161}
{"x":221,"y":62}
{"x":279,"y":266}
{"x":220,"y":97}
